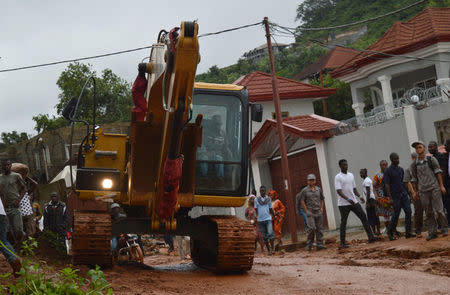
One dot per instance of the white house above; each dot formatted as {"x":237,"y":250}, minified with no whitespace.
{"x":411,"y":58}
{"x":304,"y":134}
{"x":296,"y":97}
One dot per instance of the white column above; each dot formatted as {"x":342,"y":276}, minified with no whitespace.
{"x":445,"y":88}
{"x":385,"y":81}
{"x":325,"y":180}
{"x":410,"y":114}
{"x":359,"y":111}
{"x":357,"y":105}
{"x":256,"y":174}
{"x":359,"y":108}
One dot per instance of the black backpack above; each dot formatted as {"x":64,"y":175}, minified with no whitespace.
{"x":430,"y":165}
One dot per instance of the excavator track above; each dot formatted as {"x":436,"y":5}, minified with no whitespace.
{"x":92,"y":238}
{"x":229,"y":248}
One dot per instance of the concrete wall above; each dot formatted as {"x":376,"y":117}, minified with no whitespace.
{"x":264,"y":172}
{"x":427,"y":117}
{"x":365,"y":148}
{"x":295,"y":107}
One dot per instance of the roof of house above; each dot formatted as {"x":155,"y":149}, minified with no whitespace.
{"x":305,"y":126}
{"x":427,"y":28}
{"x":259,"y":86}
{"x":334,"y":58}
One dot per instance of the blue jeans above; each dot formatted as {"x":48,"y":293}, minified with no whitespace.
{"x":114,"y":244}
{"x":9,"y":253}
{"x":266,"y":230}
{"x":302,"y":213}
{"x":401,"y":201}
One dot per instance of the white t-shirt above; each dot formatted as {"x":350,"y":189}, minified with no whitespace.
{"x":2,"y":209}
{"x":367,"y":182}
{"x":346,"y":183}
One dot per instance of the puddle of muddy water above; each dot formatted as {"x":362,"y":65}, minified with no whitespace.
{"x":183,"y":267}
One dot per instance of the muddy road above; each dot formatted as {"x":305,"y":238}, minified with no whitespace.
{"x":411,"y":266}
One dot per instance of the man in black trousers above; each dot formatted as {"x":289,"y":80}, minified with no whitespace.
{"x":348,"y":202}
{"x":393,"y":180}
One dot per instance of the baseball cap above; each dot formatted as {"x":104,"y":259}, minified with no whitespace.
{"x":416,"y":143}
{"x":115,"y":205}
{"x":311,"y":177}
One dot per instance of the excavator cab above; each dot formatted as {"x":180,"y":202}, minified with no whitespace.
{"x":222,"y":159}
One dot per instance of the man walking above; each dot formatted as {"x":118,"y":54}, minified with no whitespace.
{"x":369,"y":195}
{"x":313,"y":204}
{"x":444,"y":163}
{"x":344,"y":183}
{"x":56,"y":218}
{"x":427,"y":180}
{"x":5,"y":247}
{"x":418,"y":209}
{"x":13,"y":188}
{"x":264,"y":211}
{"x":393,"y":180}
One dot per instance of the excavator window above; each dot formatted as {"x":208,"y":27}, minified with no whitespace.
{"x":219,"y":159}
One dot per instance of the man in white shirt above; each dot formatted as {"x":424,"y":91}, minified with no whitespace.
{"x":5,"y":246}
{"x":369,"y":197}
{"x":344,"y":183}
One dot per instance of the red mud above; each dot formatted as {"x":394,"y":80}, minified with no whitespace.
{"x":411,"y":266}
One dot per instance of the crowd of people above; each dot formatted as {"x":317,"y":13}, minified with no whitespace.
{"x":20,"y":215}
{"x":425,"y":183}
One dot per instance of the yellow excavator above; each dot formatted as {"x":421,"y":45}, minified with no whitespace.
{"x":189,"y":148}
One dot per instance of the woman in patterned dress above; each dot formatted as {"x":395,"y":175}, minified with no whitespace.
{"x":384,"y":207}
{"x":279,"y":210}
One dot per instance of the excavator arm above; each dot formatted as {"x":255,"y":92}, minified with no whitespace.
{"x":155,"y":171}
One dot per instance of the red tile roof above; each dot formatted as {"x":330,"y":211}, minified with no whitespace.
{"x":305,"y":126}
{"x":259,"y":86}
{"x":427,"y":28}
{"x":333,"y":59}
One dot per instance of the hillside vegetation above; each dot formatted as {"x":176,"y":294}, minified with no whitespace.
{"x":325,"y":13}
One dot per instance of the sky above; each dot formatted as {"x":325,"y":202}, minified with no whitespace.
{"x":34,"y":32}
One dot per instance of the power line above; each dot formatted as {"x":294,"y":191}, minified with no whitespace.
{"x":230,"y":30}
{"x":275,"y":27}
{"x":74,"y":59}
{"x":118,"y":52}
{"x":358,"y":22}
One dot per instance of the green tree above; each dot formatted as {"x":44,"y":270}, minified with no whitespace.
{"x":114,"y":100}
{"x":326,"y":13}
{"x":11,"y":138}
{"x":45,"y":123}
{"x":339,"y":105}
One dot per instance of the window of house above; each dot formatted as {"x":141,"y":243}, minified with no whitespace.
{"x":47,"y":156}
{"x":283,"y":115}
{"x":75,"y":148}
{"x":36,"y":161}
{"x":398,"y":93}
{"x":425,"y":84}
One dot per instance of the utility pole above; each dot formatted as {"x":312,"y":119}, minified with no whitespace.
{"x":324,"y":100}
{"x":284,"y":161}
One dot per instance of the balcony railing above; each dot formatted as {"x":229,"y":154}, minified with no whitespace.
{"x":383,"y":113}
